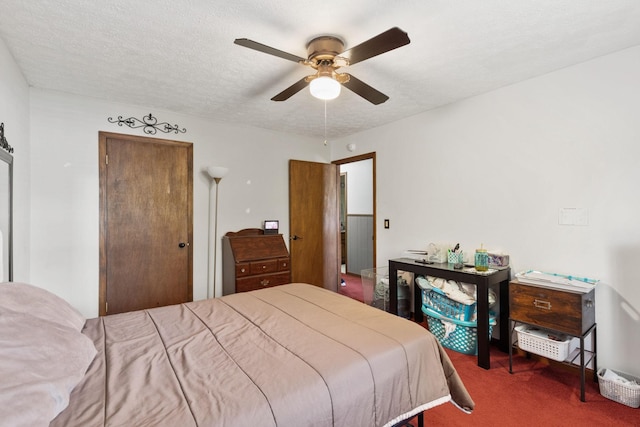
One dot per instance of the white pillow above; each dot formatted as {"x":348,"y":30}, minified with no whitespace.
{"x":37,"y":302}
{"x":40,"y":364}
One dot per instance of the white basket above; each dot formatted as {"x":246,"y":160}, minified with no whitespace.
{"x":538,"y":341}
{"x":627,"y":394}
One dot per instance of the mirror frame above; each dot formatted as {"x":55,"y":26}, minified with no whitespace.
{"x":8,"y":158}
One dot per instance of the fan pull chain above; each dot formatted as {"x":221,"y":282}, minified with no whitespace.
{"x":325,"y":122}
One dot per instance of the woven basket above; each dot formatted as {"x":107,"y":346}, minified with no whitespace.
{"x":627,"y":394}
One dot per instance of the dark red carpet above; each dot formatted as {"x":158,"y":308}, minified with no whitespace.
{"x":352,"y":286}
{"x":536,"y":394}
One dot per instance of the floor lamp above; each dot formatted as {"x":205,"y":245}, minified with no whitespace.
{"x":216,"y":173}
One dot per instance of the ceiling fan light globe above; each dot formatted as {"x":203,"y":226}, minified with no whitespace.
{"x":324,"y":88}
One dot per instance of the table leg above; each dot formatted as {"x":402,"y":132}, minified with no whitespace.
{"x":582,"y":368}
{"x":393,"y":288}
{"x":511,"y":346}
{"x":482,"y":291}
{"x":417,"y":302}
{"x":595,"y":354}
{"x":503,"y":321}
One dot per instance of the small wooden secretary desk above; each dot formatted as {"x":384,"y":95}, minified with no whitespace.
{"x":253,"y":260}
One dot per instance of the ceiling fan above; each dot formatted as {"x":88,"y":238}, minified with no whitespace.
{"x":326,"y":55}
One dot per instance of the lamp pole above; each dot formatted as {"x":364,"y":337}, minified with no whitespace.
{"x":216,"y":173}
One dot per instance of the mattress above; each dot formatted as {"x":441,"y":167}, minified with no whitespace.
{"x":291,"y":355}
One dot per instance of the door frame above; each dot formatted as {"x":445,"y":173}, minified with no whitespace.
{"x":354,"y":159}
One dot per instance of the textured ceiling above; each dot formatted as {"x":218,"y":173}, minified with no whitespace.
{"x":179,"y":54}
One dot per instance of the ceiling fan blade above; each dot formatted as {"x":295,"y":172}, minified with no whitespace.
{"x":364,"y":90}
{"x":291,"y":90}
{"x":384,"y":42}
{"x":267,"y":49}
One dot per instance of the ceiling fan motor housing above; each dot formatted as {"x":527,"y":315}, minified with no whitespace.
{"x":324,"y":48}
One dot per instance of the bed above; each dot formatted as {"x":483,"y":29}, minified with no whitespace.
{"x":291,"y":355}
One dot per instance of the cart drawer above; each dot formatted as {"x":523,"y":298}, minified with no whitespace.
{"x":560,"y":310}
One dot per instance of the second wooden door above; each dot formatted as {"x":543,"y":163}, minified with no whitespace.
{"x":313,"y":223}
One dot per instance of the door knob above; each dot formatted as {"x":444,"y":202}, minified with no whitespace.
{"x":295,"y":237}
{"x":182,"y":244}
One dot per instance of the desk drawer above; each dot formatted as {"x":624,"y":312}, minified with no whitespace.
{"x":561,"y":310}
{"x":242,"y":269}
{"x":283,"y":264}
{"x":253,"y":283}
{"x":266,"y":266}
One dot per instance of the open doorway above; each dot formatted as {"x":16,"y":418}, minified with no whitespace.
{"x":343,"y":222}
{"x":357,"y":219}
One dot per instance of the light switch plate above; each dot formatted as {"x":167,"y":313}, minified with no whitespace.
{"x":573,"y":216}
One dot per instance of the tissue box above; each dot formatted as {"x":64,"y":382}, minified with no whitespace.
{"x":498,"y":260}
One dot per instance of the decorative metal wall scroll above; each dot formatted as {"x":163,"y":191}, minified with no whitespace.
{"x":149,"y":124}
{"x":3,"y":141}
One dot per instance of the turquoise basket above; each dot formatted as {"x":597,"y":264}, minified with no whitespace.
{"x":454,"y":334}
{"x":436,"y":300}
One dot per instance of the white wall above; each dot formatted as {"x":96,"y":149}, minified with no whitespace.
{"x":495,"y":169}
{"x":14,"y":113}
{"x":64,"y":186}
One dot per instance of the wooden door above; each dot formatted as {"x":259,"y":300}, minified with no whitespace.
{"x":314,"y":223}
{"x":146,"y":226}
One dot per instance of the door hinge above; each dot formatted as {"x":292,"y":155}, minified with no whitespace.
{"x":106,"y":159}
{"x":106,"y":307}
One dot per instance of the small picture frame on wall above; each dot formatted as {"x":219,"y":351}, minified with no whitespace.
{"x":271,"y":226}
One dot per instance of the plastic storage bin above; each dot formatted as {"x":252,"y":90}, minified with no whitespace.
{"x":455,"y":334}
{"x":543,"y":342}
{"x":375,"y":287}
{"x":375,"y":291}
{"x":437,"y":301}
{"x":627,"y":394}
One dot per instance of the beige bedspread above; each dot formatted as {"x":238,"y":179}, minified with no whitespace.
{"x":292,"y":355}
